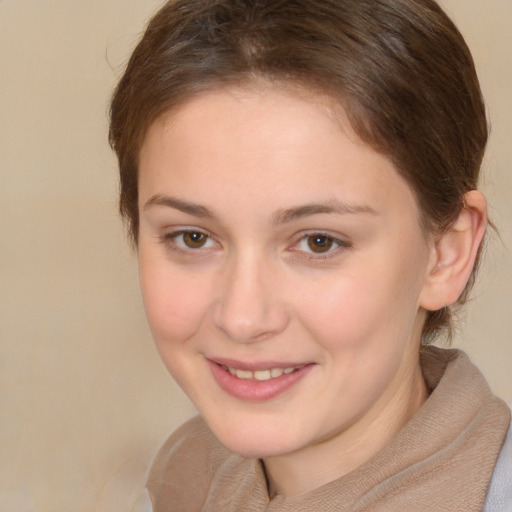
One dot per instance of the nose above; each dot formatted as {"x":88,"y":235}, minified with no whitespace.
{"x":249,"y":308}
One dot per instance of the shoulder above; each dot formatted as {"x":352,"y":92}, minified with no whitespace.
{"x":187,"y":460}
{"x":499,"y":496}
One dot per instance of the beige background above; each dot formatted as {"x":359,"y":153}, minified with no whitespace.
{"x":84,"y":401}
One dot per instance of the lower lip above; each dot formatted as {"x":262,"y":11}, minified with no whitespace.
{"x":255,"y":390}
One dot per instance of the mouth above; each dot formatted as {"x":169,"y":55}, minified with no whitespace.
{"x":257,"y":382}
{"x":261,"y":375}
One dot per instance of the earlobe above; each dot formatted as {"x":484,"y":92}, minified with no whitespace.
{"x":454,"y":255}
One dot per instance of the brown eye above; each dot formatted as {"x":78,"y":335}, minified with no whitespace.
{"x":194,"y":239}
{"x":320,"y":243}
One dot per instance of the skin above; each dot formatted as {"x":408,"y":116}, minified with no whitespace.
{"x":237,"y":166}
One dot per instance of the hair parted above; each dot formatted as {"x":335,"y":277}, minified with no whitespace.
{"x":399,"y":68}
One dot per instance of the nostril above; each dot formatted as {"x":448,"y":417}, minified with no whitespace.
{"x":248,"y":309}
{"x":247,"y":323}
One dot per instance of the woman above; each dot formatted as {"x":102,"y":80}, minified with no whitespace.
{"x":300,"y":180}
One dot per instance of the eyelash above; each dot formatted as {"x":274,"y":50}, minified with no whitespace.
{"x":338,"y":245}
{"x":170,"y":241}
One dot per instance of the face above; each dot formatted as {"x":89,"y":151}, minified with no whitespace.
{"x":281,"y":264}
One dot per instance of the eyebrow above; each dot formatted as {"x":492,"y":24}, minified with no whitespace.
{"x":278,"y":218}
{"x":178,"y":204}
{"x":333,"y":206}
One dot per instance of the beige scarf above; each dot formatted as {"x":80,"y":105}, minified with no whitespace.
{"x":441,"y":461}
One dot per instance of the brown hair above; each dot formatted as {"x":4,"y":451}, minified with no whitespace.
{"x":400,"y":69}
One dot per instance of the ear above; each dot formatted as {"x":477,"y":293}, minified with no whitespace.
{"x":454,"y":254}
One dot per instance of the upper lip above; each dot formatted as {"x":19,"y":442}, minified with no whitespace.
{"x":253,"y":365}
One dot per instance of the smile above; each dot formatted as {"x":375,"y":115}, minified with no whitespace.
{"x":257,"y":382}
{"x":261,"y":375}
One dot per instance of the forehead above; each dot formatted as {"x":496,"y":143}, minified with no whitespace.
{"x":278,"y":144}
{"x":252,"y":104}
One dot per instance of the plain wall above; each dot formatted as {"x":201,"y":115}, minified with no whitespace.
{"x":84,"y":400}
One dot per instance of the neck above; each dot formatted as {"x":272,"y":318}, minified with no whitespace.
{"x":307,"y":469}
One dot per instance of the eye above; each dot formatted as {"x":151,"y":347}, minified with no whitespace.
{"x":193,"y":239}
{"x":319,"y":243}
{"x":188,"y":239}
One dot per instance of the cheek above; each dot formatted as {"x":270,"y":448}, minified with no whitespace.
{"x":175,"y":303}
{"x":337,"y":313}
{"x":363,"y":307}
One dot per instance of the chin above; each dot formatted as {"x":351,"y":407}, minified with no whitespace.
{"x":256,"y":443}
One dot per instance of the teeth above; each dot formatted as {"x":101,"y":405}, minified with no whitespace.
{"x":244,"y":374}
{"x":262,"y":375}
{"x":276,"y":372}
